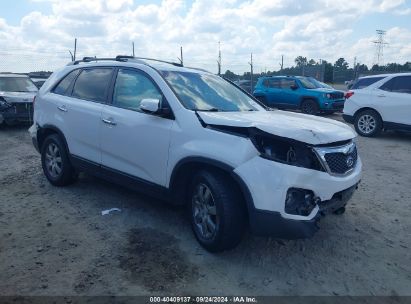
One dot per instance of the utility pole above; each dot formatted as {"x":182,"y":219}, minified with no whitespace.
{"x":219,"y":58}
{"x":252,"y":66}
{"x":133,"y":48}
{"x":380,"y":43}
{"x":282,"y":63}
{"x":181,"y":56}
{"x":75,"y":49}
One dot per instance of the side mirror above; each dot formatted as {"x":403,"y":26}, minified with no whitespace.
{"x":294,"y":87}
{"x":150,"y":105}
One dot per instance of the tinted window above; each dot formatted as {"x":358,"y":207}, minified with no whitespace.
{"x":402,"y":84}
{"x":275,"y":83}
{"x":92,"y":84}
{"x":388,"y":86}
{"x":64,"y":84}
{"x":365,"y":82}
{"x":131,"y":88}
{"x":266,"y":83}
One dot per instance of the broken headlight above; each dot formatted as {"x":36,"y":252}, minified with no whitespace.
{"x":287,"y":151}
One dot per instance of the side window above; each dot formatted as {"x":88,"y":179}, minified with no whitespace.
{"x":402,"y":84}
{"x":131,"y":88}
{"x":92,"y":84}
{"x":388,"y":86}
{"x":65,"y":83}
{"x":287,"y":83}
{"x":266,"y":83}
{"x":275,"y":83}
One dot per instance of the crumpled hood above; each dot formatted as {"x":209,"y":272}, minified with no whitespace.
{"x":305,"y":128}
{"x":14,"y":97}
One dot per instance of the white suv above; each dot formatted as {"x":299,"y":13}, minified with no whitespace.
{"x":193,"y":138}
{"x":383,"y":105}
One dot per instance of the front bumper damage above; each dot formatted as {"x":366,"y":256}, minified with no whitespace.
{"x":267,"y":223}
{"x":17,"y":112}
{"x":269,"y":183}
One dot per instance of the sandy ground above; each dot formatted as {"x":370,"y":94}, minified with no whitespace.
{"x":54,"y":241}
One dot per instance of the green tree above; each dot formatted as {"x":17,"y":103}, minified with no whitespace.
{"x":230,"y":75}
{"x":300,"y":61}
{"x":341,"y":63}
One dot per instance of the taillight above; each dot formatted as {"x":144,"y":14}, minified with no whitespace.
{"x":348,"y":94}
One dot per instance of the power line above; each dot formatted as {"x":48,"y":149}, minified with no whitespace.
{"x":380,"y":43}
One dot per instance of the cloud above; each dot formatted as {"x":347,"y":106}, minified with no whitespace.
{"x":315,"y":29}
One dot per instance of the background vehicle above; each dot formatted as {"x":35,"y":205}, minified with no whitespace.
{"x":298,"y":92}
{"x":16,"y":98}
{"x":385,"y":104}
{"x":245,"y":85}
{"x":172,"y":132}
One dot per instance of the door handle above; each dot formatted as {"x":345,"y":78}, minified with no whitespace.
{"x":62,"y":108}
{"x":109,"y":121}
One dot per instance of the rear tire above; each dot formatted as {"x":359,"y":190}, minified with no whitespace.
{"x":217,"y":211}
{"x":55,"y":162}
{"x":309,"y":106}
{"x":368,"y":123}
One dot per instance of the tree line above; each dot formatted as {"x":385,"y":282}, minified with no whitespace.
{"x":337,"y":72}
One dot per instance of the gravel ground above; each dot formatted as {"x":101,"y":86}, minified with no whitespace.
{"x":54,"y":241}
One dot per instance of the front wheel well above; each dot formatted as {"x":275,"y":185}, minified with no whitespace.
{"x":184,"y":173}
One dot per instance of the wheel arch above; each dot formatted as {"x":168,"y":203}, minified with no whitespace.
{"x":188,"y":166}
{"x":368,"y":108}
{"x":47,"y":130}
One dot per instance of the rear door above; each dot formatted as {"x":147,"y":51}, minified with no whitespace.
{"x":134,"y":142}
{"x":273,"y":91}
{"x":78,"y":109}
{"x":393,"y":99}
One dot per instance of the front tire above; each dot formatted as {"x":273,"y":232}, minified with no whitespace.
{"x":310,"y":107}
{"x":55,"y":162}
{"x":368,"y":123}
{"x":218,"y":214}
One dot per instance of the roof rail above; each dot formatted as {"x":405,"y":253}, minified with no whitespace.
{"x":122,"y":58}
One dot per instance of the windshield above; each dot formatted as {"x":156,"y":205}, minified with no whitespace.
{"x":306,"y":83}
{"x":318,"y":84}
{"x":207,"y":92}
{"x":17,"y":84}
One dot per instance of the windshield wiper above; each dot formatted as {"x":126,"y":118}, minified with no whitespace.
{"x":208,"y":110}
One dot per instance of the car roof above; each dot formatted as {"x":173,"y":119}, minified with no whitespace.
{"x":385,"y":75}
{"x":131,"y":62}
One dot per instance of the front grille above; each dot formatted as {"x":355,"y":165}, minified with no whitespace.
{"x":337,"y":95}
{"x":341,"y":163}
{"x":338,"y":160}
{"x":23,"y":107}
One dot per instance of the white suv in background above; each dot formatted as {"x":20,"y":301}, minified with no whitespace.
{"x":383,"y":105}
{"x":193,"y":138}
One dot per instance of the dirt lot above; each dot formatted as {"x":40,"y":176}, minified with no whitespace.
{"x":54,"y":241}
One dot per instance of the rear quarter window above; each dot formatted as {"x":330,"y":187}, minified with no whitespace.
{"x":65,"y":83}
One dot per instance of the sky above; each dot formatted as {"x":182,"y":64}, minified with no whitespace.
{"x":38,"y":34}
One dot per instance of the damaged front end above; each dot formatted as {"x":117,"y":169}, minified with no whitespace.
{"x":15,"y":111}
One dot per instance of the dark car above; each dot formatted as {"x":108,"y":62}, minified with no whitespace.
{"x":16,"y":98}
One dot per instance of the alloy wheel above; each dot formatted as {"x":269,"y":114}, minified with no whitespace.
{"x":53,"y":160}
{"x":367,"y":124}
{"x":204,"y":211}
